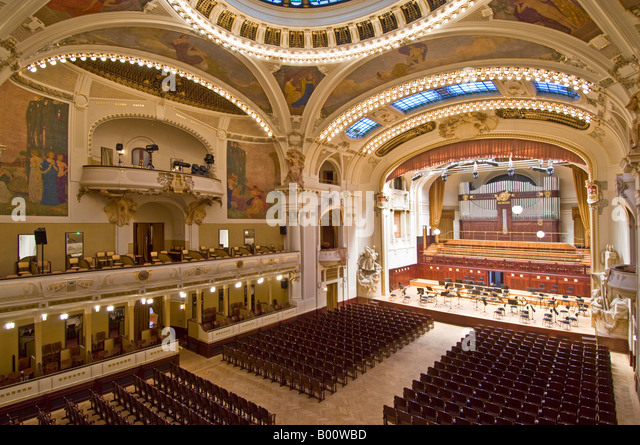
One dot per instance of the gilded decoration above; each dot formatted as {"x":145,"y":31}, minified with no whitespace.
{"x":150,"y":81}
{"x":176,"y":183}
{"x":466,"y":126}
{"x":405,"y":137}
{"x":546,"y":116}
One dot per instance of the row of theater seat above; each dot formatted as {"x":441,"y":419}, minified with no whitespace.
{"x":511,"y":378}
{"x":315,"y":354}
{"x":175,"y":398}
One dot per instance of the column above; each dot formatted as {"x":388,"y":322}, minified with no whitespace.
{"x":37,"y":334}
{"x":225,"y":309}
{"x":249,"y":296}
{"x":87,"y":325}
{"x":166,"y":310}
{"x":199,"y":297}
{"x":130,"y":318}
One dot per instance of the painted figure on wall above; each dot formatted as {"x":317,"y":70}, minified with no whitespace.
{"x":35,"y":177}
{"x":298,"y":84}
{"x":49,"y":171}
{"x":77,"y":8}
{"x":563,"y":15}
{"x":251,"y":175}
{"x":61,"y":178}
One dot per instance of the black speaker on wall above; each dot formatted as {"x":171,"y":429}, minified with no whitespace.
{"x":284,"y":283}
{"x":283,"y":230}
{"x":41,"y":236}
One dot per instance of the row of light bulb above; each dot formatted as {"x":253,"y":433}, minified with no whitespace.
{"x":160,"y":67}
{"x":471,"y":107}
{"x":44,"y":317}
{"x":146,"y":301}
{"x":427,"y":83}
{"x":237,"y":285}
{"x":391,"y":40}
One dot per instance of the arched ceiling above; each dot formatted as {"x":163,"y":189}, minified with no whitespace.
{"x":298,"y":89}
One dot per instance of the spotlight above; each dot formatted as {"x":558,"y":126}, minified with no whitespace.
{"x":120,"y":150}
{"x":179,"y":165}
{"x":475,"y":175}
{"x":511,"y":172}
{"x":416,"y":177}
{"x":550,"y":170}
{"x":444,"y":177}
{"x":151,"y":149}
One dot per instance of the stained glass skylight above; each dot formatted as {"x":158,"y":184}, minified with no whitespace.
{"x":426,"y":98}
{"x":555,"y":89}
{"x":304,"y":3}
{"x":362,"y":128}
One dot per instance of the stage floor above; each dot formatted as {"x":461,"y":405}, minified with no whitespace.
{"x":461,"y":310}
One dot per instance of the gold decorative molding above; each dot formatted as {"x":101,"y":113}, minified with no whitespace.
{"x":546,"y":116}
{"x":405,"y":137}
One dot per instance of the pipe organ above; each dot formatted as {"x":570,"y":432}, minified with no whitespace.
{"x":487,"y":212}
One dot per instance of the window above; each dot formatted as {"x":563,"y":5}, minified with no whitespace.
{"x":397,"y":224}
{"x":426,"y":98}
{"x":555,"y":89}
{"x":362,"y":128}
{"x":304,"y":3}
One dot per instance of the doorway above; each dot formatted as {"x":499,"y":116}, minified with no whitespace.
{"x":148,"y":237}
{"x":332,"y":296}
{"x":73,"y":331}
{"x":116,"y":322}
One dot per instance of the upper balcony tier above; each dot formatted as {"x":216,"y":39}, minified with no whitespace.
{"x":147,"y":181}
{"x":39,"y":292}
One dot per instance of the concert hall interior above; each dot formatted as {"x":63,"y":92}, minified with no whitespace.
{"x":442,"y":194}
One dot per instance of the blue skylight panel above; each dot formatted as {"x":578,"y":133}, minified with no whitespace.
{"x":362,"y":128}
{"x":426,"y":98}
{"x":555,"y":89}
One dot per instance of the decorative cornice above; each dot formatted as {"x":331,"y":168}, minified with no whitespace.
{"x":53,"y":92}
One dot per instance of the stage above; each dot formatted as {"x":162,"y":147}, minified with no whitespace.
{"x":470,"y":312}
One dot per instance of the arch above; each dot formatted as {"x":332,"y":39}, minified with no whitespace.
{"x":329,"y":173}
{"x":178,"y":125}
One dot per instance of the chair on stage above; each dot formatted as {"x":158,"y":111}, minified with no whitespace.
{"x":498,"y":313}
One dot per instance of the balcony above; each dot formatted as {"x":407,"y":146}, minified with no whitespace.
{"x":147,"y":182}
{"x":333,"y":257}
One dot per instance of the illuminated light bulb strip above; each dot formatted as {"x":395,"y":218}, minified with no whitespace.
{"x":455,"y":110}
{"x":391,"y":95}
{"x":159,"y":66}
{"x":443,"y":15}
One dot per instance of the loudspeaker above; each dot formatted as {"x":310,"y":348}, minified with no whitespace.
{"x":41,"y":236}
{"x":284,"y":283}
{"x":283,"y":230}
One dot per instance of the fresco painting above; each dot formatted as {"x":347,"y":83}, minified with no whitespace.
{"x":417,"y":57}
{"x":77,"y":8}
{"x":252,"y":172}
{"x":563,"y":15}
{"x":298,"y":84}
{"x":35,"y":163}
{"x":199,"y":53}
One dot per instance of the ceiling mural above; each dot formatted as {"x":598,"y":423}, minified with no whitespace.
{"x":563,"y":15}
{"x":58,"y":10}
{"x":188,"y":49}
{"x":298,"y":84}
{"x":412,"y":59}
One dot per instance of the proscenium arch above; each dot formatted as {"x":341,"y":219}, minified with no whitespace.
{"x":591,"y":165}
